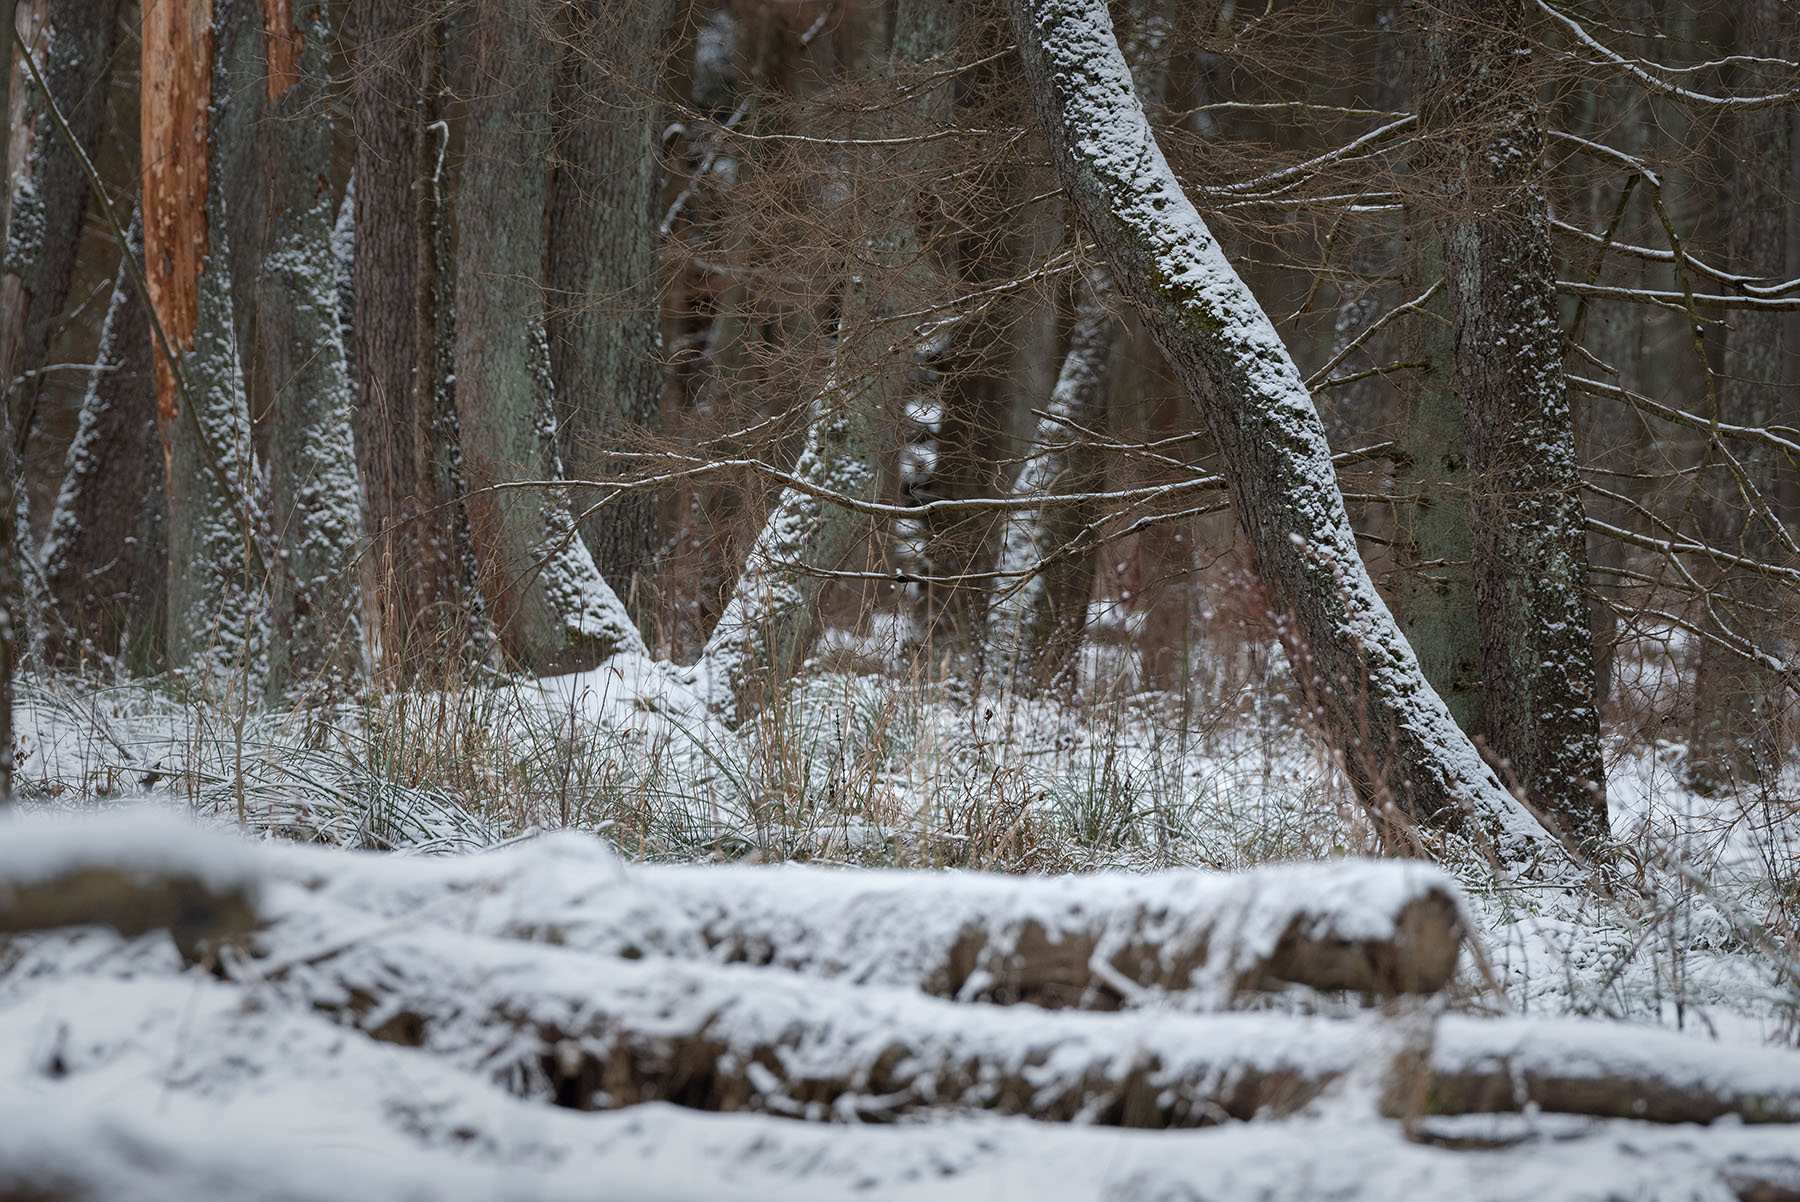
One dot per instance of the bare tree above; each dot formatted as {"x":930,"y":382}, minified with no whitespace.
{"x":398,"y":161}
{"x":548,"y":602}
{"x":196,"y":126}
{"x":1483,"y":129}
{"x":1400,"y":745}
{"x":316,"y":638}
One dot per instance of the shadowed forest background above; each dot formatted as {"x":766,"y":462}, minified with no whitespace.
{"x":357,"y":353}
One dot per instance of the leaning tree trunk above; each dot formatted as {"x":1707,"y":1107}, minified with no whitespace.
{"x":11,"y":615}
{"x":604,"y":317}
{"x":1483,"y":128}
{"x":72,"y":46}
{"x":413,"y":556}
{"x":316,"y":643}
{"x":1047,"y":565}
{"x":1736,"y":740}
{"x":552,"y":609}
{"x":1399,"y":744}
{"x":103,"y":554}
{"x":193,"y":162}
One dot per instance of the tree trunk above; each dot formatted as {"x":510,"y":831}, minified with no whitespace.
{"x":1399,"y":744}
{"x":1435,"y":592}
{"x":604,"y":319}
{"x":193,"y":163}
{"x":316,"y":640}
{"x":11,"y":616}
{"x":413,"y":558}
{"x":74,"y":52}
{"x":550,"y":606}
{"x":1483,"y":128}
{"x":1047,"y":565}
{"x":772,"y":618}
{"x":1736,"y":740}
{"x":104,"y":553}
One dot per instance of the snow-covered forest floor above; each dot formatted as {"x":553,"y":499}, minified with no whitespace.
{"x":132,"y":1063}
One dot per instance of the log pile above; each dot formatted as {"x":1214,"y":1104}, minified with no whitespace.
{"x":549,"y":978}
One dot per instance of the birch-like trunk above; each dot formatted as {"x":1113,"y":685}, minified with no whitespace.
{"x":193,"y":158}
{"x":1034,"y":628}
{"x":1484,"y":135}
{"x":548,"y":602}
{"x":316,"y":639}
{"x":1736,"y":739}
{"x":604,"y":317}
{"x":104,"y":554}
{"x":1399,"y":744}
{"x":11,"y":617}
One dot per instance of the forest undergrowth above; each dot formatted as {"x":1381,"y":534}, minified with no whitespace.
{"x":874,"y":759}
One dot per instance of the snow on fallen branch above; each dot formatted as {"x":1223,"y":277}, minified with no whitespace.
{"x":136,"y":872}
{"x":1382,"y":927}
{"x":274,"y":1103}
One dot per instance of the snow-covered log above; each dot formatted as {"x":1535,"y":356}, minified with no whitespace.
{"x":1399,"y":744}
{"x":596,"y":1034}
{"x":120,"y":1098}
{"x":1380,"y":926}
{"x":137,"y":873}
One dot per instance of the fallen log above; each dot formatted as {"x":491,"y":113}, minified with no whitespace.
{"x":592,"y":1034}
{"x":1095,"y":941}
{"x":135,"y":871}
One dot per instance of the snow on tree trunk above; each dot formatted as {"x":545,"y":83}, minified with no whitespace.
{"x":1483,"y":136}
{"x":772,"y":617}
{"x":190,"y":147}
{"x":548,"y":602}
{"x":1397,"y":741}
{"x":1736,"y":740}
{"x":104,"y":556}
{"x":1034,"y":629}
{"x":72,"y":43}
{"x":316,"y":640}
{"x":604,"y":317}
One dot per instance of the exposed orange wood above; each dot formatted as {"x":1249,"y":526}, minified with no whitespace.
{"x":177,"y":91}
{"x":285,"y":44}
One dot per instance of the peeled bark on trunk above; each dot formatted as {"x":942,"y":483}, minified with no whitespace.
{"x":193,"y":160}
{"x":1482,"y":126}
{"x":316,"y":639}
{"x":103,"y":553}
{"x":1737,"y":740}
{"x":413,"y":559}
{"x":73,"y":49}
{"x":1399,"y":744}
{"x":548,"y":602}
{"x":604,"y":318}
{"x":1034,"y":630}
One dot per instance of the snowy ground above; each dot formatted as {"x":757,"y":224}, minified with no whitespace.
{"x":133,"y":1075}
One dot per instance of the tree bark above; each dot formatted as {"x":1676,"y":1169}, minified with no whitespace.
{"x":103,"y":555}
{"x":548,"y":602}
{"x":194,"y":163}
{"x":1046,"y":556}
{"x":316,"y":641}
{"x":1736,"y":740}
{"x":413,"y":559}
{"x":604,"y":316}
{"x":74,"y":54}
{"x":1484,"y":133}
{"x":1399,"y":744}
